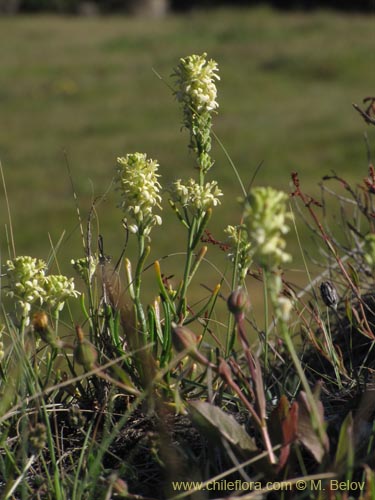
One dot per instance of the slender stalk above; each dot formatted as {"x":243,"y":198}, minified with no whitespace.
{"x":332,"y":351}
{"x":181,"y":309}
{"x":143,"y":254}
{"x":266,"y":330}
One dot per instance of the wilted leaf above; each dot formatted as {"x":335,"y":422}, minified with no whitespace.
{"x":307,"y":435}
{"x":215,"y":424}
{"x":284,"y":422}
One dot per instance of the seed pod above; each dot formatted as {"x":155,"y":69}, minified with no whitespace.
{"x":329,"y":294}
{"x":238,"y":301}
{"x":41,"y":327}
{"x":184,"y":339}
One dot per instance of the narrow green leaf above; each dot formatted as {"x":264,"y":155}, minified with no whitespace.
{"x":345,"y":449}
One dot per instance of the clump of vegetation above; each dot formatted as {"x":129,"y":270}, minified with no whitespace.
{"x":159,"y":400}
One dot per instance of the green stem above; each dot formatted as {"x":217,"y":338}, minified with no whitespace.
{"x":202,"y":221}
{"x":143,"y":254}
{"x":332,"y":351}
{"x":22,"y":330}
{"x":181,"y":309}
{"x":236,"y":281}
{"x":265,"y":292}
{"x":163,"y":291}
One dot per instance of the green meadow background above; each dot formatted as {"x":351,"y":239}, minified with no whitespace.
{"x":83,"y":91}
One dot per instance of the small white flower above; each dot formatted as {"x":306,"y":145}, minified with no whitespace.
{"x":133,"y":228}
{"x":158,"y":220}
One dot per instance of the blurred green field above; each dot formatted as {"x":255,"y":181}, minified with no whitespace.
{"x":84,"y":90}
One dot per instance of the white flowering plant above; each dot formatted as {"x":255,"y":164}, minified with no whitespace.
{"x":137,"y":181}
{"x":196,"y":90}
{"x":132,"y":365}
{"x":28,"y":285}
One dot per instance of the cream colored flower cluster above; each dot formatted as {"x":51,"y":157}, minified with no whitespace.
{"x":138,"y":183}
{"x":195,"y":196}
{"x":29,"y":284}
{"x":86,"y":267}
{"x":58,"y":289}
{"x":25,"y":276}
{"x":196,"y":87}
{"x":266,"y":218}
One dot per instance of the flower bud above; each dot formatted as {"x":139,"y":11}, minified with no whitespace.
{"x":238,"y":301}
{"x":41,"y":327}
{"x":119,"y":485}
{"x":183,"y":338}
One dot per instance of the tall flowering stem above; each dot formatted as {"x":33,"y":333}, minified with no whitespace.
{"x":266,"y":218}
{"x":193,"y":200}
{"x":193,"y":204}
{"x":196,"y":90}
{"x":137,"y":181}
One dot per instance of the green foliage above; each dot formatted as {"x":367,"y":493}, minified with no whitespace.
{"x":79,"y":399}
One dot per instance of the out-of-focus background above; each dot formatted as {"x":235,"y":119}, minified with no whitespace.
{"x":79,"y":86}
